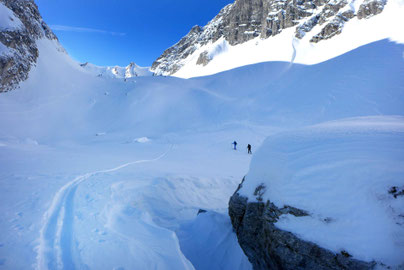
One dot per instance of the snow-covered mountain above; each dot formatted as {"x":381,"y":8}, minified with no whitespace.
{"x":307,"y":32}
{"x":131,"y":70}
{"x":21,"y":26}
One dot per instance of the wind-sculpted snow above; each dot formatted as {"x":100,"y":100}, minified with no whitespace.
{"x":205,"y":242}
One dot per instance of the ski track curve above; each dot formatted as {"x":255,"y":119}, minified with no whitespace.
{"x":295,"y":42}
{"x":55,"y":251}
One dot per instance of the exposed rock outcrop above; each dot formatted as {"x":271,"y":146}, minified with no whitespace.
{"x":166,"y":63}
{"x":247,"y":19}
{"x":21,"y":51}
{"x":396,"y":191}
{"x":203,"y":59}
{"x":268,"y":247}
{"x":370,"y":8}
{"x":334,"y":27}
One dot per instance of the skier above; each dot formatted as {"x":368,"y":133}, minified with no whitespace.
{"x":235,"y":145}
{"x":249,"y":149}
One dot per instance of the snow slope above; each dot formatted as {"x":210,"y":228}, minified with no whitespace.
{"x":286,"y":47}
{"x":81,"y":189}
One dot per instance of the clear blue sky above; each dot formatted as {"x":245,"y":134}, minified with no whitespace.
{"x":116,"y":32}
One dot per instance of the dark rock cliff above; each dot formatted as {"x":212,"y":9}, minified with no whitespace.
{"x":268,"y":247}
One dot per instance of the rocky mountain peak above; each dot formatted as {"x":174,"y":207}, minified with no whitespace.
{"x":18,"y":34}
{"x":195,"y":29}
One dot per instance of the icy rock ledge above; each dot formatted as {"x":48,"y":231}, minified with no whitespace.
{"x":268,"y":247}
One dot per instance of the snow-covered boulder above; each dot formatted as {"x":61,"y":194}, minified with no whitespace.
{"x":328,"y":196}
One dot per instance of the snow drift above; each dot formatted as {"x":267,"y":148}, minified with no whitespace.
{"x":341,"y":173}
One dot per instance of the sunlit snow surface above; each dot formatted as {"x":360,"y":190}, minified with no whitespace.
{"x":82,"y":188}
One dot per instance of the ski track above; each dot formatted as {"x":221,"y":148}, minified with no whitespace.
{"x":295,"y":42}
{"x":55,"y":250}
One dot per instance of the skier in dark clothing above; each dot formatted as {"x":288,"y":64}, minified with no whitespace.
{"x":249,"y":149}
{"x":235,"y":145}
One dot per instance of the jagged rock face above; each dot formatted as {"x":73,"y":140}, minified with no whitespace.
{"x":22,"y":51}
{"x":247,"y":19}
{"x":334,"y":27}
{"x":370,"y":8}
{"x":184,"y":47}
{"x":268,"y":247}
